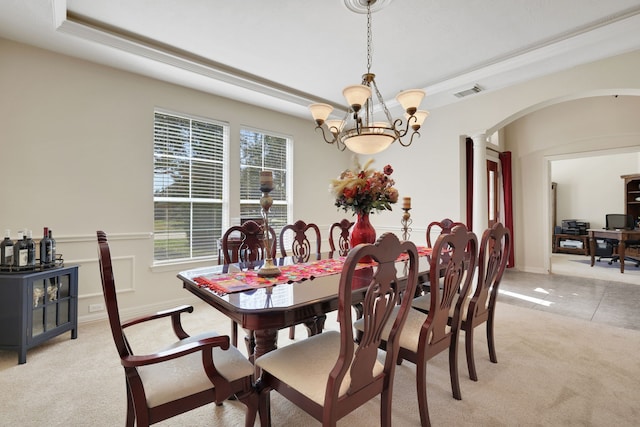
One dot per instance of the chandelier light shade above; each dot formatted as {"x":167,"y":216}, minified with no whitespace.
{"x":358,"y":131}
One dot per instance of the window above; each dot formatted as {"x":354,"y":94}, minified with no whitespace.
{"x":188,"y":186}
{"x":258,"y":152}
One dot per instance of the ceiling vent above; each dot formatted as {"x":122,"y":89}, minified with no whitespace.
{"x":467,"y":92}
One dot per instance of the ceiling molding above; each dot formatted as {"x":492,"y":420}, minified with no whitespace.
{"x":87,"y":30}
{"x":609,"y":36}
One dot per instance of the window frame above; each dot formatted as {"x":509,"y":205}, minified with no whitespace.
{"x":223,"y":201}
{"x":288,"y":170}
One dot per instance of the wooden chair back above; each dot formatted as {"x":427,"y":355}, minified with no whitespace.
{"x":300,"y":247}
{"x":252,"y":246}
{"x":450,"y":281}
{"x":183,"y":387}
{"x":451,"y":268}
{"x":109,"y":292}
{"x":383,"y":295}
{"x":346,"y":375}
{"x":446,"y":226}
{"x":495,"y":247}
{"x":341,"y":229}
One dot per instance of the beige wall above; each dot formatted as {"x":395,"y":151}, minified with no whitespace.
{"x":587,"y":127}
{"x":591,"y":187}
{"x":76,"y":142}
{"x":434,"y":167}
{"x":77,"y":150}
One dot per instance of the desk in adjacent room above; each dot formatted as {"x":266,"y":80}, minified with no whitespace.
{"x":620,"y":235}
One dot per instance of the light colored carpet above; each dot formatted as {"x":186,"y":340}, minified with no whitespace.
{"x":552,"y":370}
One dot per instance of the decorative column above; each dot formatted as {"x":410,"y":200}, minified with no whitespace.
{"x":480,"y":195}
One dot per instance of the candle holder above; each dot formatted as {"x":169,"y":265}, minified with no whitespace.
{"x":406,"y":224}
{"x":268,"y":269}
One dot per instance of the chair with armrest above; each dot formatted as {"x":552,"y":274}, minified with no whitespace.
{"x":301,"y":251}
{"x":192,"y":372}
{"x":250,"y":249}
{"x":328,"y":375}
{"x":343,"y":228}
{"x":427,"y":334}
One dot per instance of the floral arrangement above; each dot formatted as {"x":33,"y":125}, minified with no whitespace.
{"x":364,"y":190}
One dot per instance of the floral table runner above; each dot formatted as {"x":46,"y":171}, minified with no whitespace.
{"x":240,"y":281}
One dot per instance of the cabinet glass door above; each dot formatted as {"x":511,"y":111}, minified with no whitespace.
{"x":51,"y":303}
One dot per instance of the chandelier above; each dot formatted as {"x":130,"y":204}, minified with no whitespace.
{"x":358,"y":131}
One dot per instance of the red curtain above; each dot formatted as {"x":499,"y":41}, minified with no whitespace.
{"x":505,"y":163}
{"x":469,"y":167}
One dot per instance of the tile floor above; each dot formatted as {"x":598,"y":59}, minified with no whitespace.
{"x":604,"y":299}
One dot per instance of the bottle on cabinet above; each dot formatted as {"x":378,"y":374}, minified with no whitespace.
{"x":46,"y":249}
{"x":31,"y":250}
{"x":21,"y":251}
{"x":6,"y":251}
{"x":53,"y":247}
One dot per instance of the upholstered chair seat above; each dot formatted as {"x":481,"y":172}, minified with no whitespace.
{"x":184,"y":376}
{"x":306,"y":367}
{"x":422,"y":303}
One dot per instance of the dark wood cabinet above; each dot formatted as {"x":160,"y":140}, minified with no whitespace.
{"x":581,"y":249}
{"x":632,"y":206}
{"x":37,"y":306}
{"x":632,"y":195}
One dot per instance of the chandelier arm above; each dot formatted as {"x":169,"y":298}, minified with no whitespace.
{"x":397,"y":127}
{"x":415,"y":132}
{"x":324,"y":135}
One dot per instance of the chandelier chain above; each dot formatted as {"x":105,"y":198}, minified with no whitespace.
{"x":368,"y":37}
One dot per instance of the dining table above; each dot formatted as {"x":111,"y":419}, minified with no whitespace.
{"x":303,"y":293}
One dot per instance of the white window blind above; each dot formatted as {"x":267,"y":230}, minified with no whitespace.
{"x":188,"y":185}
{"x":260,"y":152}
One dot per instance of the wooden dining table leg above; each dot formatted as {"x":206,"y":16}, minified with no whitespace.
{"x":266,"y":341}
{"x":316,"y":325}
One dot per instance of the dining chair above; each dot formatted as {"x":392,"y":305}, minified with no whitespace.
{"x":189,"y":373}
{"x":480,"y":307}
{"x":249,"y":249}
{"x":427,"y":334}
{"x":328,"y":375}
{"x":445,"y":226}
{"x":300,"y":246}
{"x":343,"y":244}
{"x":300,"y":250}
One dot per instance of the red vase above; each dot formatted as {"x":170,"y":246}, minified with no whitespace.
{"x":362,"y":231}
